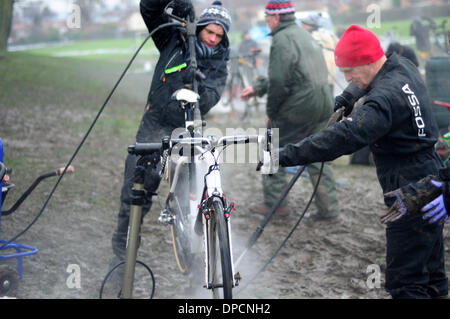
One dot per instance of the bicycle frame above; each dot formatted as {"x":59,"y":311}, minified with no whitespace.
{"x":207,"y":159}
{"x":212,"y":198}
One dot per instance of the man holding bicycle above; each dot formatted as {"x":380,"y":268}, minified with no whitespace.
{"x":163,"y":114}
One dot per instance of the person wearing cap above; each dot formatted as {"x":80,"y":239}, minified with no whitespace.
{"x":163,"y":114}
{"x":403,"y":50}
{"x":397,"y":123}
{"x":298,"y":103}
{"x":327,"y":40}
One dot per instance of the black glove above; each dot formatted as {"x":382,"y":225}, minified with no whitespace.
{"x":411,"y":198}
{"x":182,"y":8}
{"x":348,"y":98}
{"x":444,"y":175}
{"x":189,"y":73}
{"x":146,"y":173}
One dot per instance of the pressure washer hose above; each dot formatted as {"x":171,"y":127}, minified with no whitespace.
{"x":291,"y":184}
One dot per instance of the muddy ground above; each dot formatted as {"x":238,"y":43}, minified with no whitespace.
{"x":321,"y":260}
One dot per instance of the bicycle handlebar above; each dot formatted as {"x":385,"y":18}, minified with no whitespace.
{"x":144,"y":148}
{"x":212,"y":141}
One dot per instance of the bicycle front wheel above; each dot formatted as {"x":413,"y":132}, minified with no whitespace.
{"x":219,"y":249}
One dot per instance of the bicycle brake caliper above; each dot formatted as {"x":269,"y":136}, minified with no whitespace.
{"x":203,"y":208}
{"x":229,"y":208}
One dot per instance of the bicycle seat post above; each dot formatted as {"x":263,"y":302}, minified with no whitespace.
{"x":138,"y":198}
{"x":132,"y":246}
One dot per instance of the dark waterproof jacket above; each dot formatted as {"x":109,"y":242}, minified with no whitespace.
{"x":298,"y":97}
{"x":396,"y":122}
{"x":162,"y":114}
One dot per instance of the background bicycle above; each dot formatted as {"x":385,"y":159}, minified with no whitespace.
{"x":242,"y":71}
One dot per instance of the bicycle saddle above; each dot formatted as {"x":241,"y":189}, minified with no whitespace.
{"x":186,"y":95}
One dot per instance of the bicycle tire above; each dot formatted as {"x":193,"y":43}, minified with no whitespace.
{"x":181,"y":241}
{"x":225,"y":251}
{"x":212,"y":275}
{"x":181,"y":256}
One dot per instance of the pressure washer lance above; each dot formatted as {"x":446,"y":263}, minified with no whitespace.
{"x":268,"y":217}
{"x":343,"y":107}
{"x":58,"y":172}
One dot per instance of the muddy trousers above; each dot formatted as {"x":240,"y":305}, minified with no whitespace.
{"x":119,"y":237}
{"x":325,"y":199}
{"x":415,"y":266}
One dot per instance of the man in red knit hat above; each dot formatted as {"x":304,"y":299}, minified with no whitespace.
{"x":397,"y":123}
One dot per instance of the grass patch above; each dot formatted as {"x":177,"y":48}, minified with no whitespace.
{"x":399,"y":27}
{"x":69,"y":82}
{"x":108,"y":49}
{"x":48,"y":103}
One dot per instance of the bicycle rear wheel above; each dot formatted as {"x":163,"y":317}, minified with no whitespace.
{"x":219,"y":249}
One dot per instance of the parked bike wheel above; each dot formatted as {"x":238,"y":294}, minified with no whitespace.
{"x":219,"y":249}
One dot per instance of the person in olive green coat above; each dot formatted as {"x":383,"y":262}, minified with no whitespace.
{"x":298,"y":101}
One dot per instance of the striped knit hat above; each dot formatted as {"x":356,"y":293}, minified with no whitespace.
{"x":279,"y":7}
{"x":217,"y":14}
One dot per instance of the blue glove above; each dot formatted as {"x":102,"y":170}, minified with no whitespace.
{"x":409,"y":199}
{"x":435,"y":210}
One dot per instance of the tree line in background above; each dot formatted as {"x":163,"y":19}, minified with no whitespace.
{"x":36,"y":11}
{"x":6,"y":9}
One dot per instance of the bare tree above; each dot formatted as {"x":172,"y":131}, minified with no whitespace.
{"x":6,"y":9}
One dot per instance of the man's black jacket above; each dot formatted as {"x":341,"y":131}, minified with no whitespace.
{"x":163,"y":113}
{"x":396,"y":121}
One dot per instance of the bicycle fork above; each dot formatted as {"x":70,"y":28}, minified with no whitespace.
{"x":207,"y":215}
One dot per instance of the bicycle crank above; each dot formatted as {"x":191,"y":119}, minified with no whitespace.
{"x":166,"y":217}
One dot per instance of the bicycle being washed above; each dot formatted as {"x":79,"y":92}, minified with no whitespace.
{"x":196,"y":211}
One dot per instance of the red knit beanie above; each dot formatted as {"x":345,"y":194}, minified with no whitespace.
{"x":357,"y":46}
